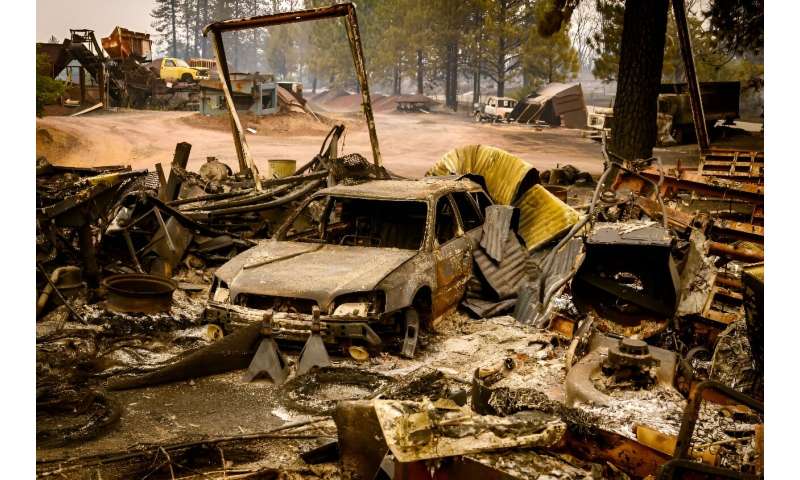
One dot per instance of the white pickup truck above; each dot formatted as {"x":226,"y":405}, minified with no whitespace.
{"x":496,"y":109}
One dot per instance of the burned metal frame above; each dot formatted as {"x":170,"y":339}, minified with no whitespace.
{"x":681,"y":461}
{"x":346,"y":10}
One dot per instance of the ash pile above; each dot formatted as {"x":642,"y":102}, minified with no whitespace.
{"x":606,"y":329}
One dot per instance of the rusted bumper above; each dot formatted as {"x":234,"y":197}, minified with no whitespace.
{"x":296,"y":326}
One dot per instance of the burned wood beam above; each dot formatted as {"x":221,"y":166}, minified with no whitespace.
{"x":180,"y":159}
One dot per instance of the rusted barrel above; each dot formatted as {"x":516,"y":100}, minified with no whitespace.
{"x":139,"y":293}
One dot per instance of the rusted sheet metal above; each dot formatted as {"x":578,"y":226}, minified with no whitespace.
{"x":628,"y":455}
{"x":503,"y":277}
{"x":737,"y":164}
{"x":543,"y":217}
{"x":346,"y":10}
{"x":496,"y":226}
{"x":693,"y":181}
{"x":504,"y":173}
{"x":739,"y":230}
{"x":486,"y":309}
{"x":123,"y":43}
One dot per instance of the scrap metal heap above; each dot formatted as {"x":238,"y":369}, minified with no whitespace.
{"x":625,"y":316}
{"x":631,"y":345}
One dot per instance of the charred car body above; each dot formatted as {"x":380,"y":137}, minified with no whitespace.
{"x":382,"y":256}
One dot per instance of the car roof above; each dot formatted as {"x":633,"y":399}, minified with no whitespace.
{"x":420,"y":189}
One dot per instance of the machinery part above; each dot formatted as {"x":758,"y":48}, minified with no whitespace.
{"x":630,"y":359}
{"x":138,"y":292}
{"x":268,"y":358}
{"x":412,"y":333}
{"x":628,"y":274}
{"x":579,"y":386}
{"x":314,"y":353}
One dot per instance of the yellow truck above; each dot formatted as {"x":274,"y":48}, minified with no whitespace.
{"x":176,"y":70}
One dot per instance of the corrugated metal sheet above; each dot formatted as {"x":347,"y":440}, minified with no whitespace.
{"x":503,"y":277}
{"x":543,"y":217}
{"x":565,"y":263}
{"x":495,"y":230}
{"x":502,"y":171}
{"x":487,"y":309}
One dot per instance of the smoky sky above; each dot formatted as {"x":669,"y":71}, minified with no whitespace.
{"x":56,"y":17}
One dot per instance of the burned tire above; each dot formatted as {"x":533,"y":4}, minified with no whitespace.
{"x":187,"y":77}
{"x":318,"y":392}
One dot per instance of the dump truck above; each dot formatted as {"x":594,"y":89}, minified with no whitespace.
{"x":496,"y":109}
{"x":720,"y":103}
{"x":172,"y":69}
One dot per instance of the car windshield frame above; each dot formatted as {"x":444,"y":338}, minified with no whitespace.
{"x":181,"y":63}
{"x":283,"y":232}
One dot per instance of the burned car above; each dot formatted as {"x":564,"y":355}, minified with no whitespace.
{"x":370,"y":260}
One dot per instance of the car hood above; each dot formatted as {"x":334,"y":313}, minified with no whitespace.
{"x":308,"y":270}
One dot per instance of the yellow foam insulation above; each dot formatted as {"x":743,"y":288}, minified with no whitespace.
{"x":543,"y":217}
{"x":502,"y":171}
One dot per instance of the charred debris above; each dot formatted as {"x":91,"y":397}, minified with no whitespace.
{"x":486,"y":320}
{"x":639,"y":307}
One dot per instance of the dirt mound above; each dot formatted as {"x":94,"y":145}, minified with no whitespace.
{"x":323,"y":98}
{"x":282,"y":124}
{"x":54,"y":144}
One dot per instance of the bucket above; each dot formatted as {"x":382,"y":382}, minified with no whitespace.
{"x":281,"y":168}
{"x":559,"y":192}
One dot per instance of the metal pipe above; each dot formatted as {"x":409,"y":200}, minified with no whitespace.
{"x":695,"y":100}
{"x":743,"y":254}
{"x":274,"y":203}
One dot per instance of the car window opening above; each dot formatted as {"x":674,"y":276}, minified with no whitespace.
{"x":446,"y":227}
{"x":361,"y":222}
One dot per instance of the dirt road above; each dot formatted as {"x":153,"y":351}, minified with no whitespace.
{"x":410,"y":143}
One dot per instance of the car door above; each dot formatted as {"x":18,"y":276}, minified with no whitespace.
{"x":470,"y":216}
{"x":169,"y":70}
{"x":490,"y":106}
{"x":452,"y":255}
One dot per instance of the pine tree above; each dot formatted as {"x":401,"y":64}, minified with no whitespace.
{"x":164,"y":22}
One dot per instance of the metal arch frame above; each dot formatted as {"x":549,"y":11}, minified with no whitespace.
{"x":346,"y":10}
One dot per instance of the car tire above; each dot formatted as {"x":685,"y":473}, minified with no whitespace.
{"x":477,"y":117}
{"x":187,"y":77}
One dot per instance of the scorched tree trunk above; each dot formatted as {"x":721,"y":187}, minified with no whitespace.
{"x":640,"y":63}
